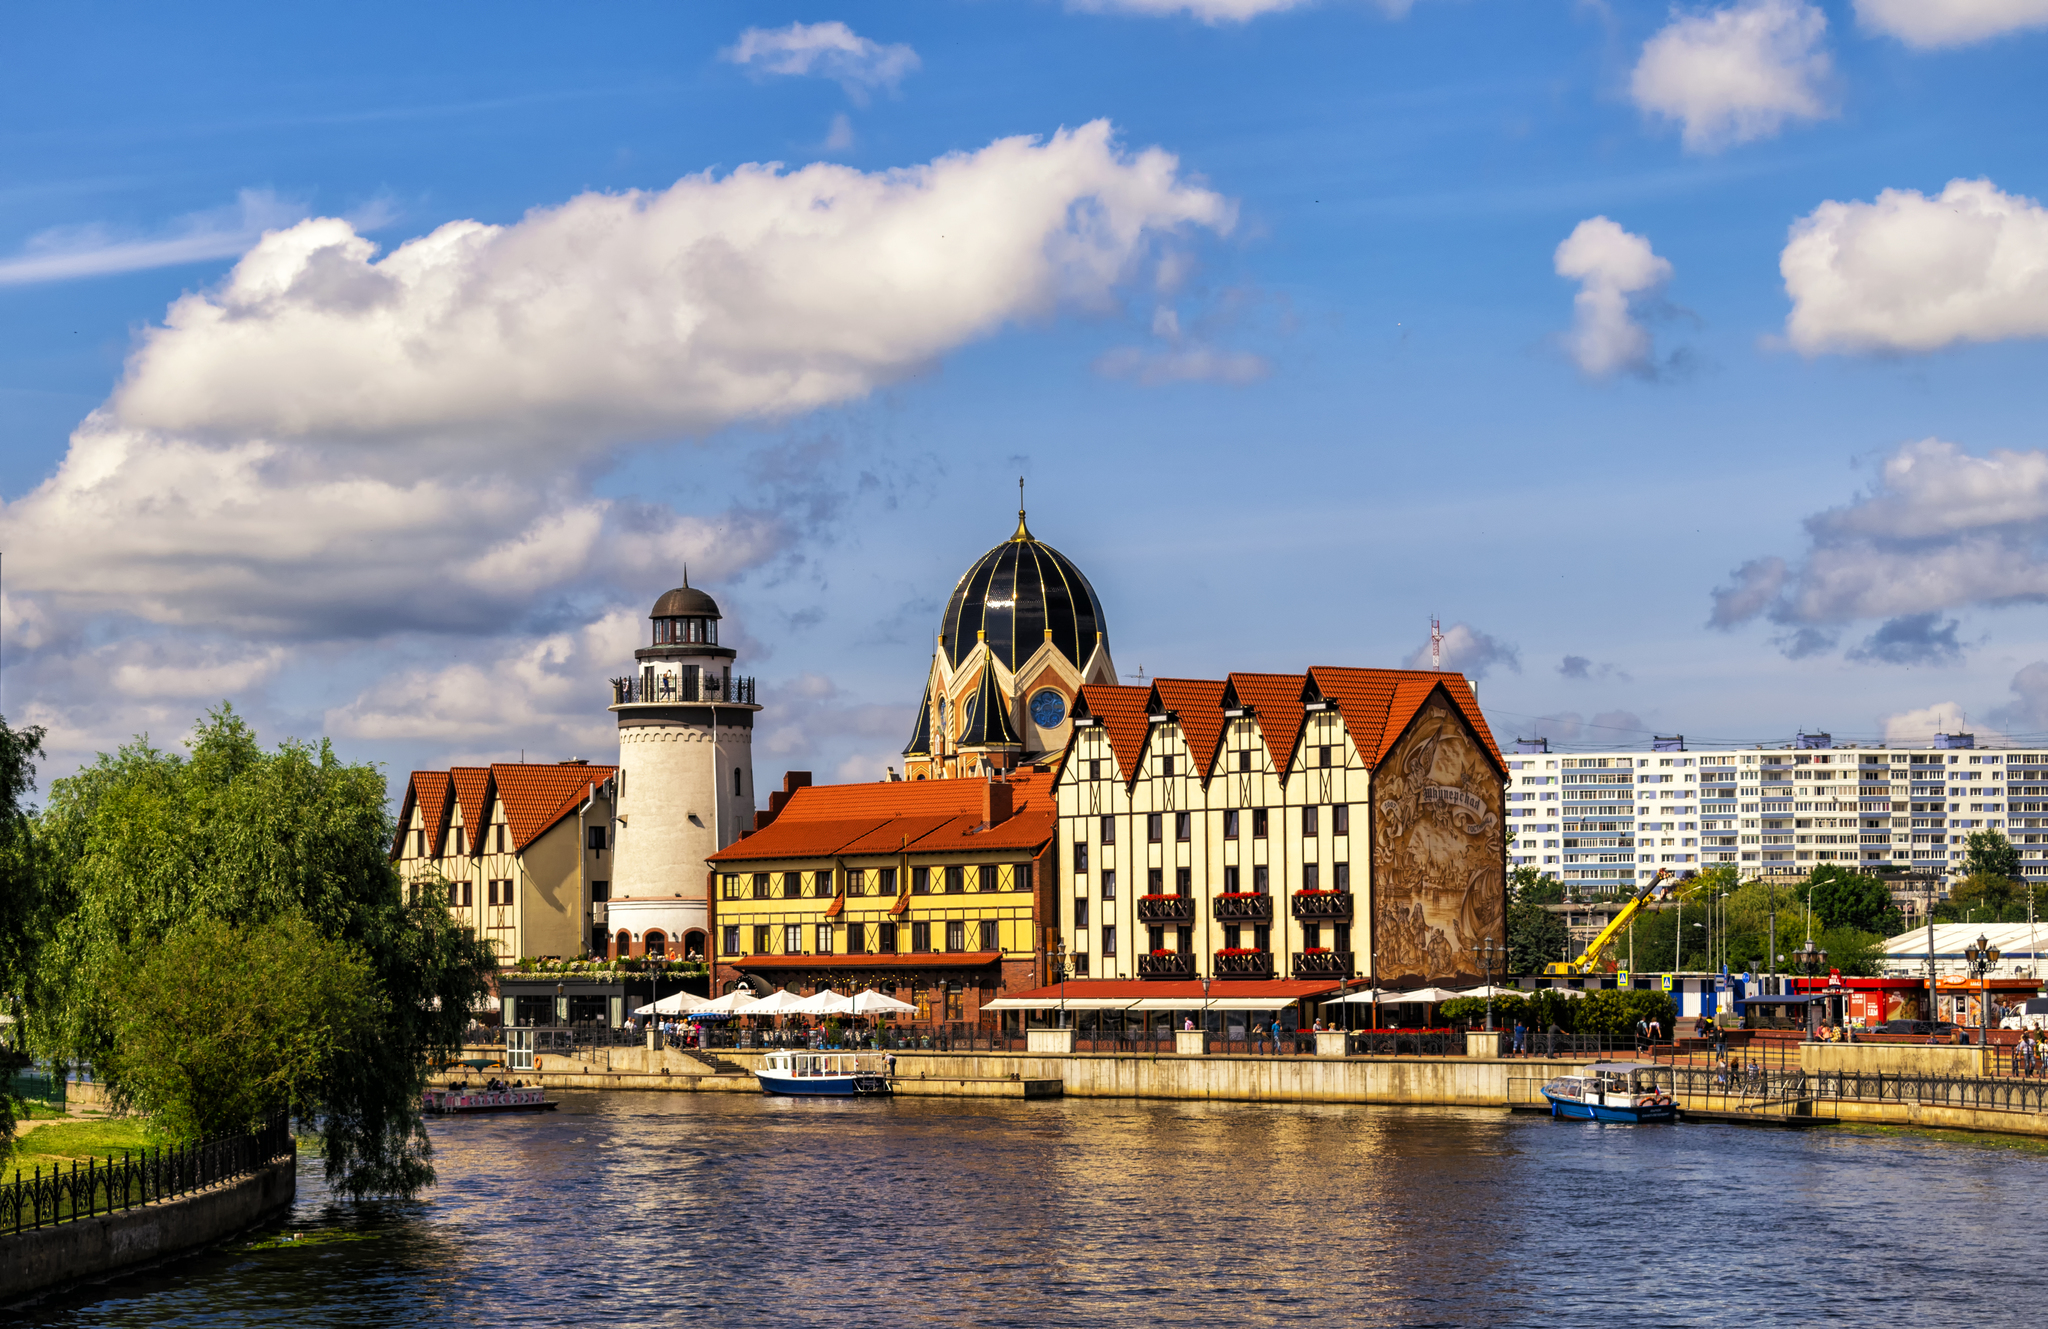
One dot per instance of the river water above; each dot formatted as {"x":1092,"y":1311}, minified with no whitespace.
{"x":657,"y":1209}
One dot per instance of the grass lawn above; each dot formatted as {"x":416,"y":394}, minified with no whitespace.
{"x":58,"y":1143}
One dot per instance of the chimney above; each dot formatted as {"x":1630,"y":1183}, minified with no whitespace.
{"x":791,"y":782}
{"x":995,"y":804}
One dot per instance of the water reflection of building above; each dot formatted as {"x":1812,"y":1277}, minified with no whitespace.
{"x":931,"y":890}
{"x":1337,"y":823}
{"x":520,"y":851}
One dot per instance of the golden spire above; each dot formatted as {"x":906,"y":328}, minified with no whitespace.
{"x":1023,"y":531}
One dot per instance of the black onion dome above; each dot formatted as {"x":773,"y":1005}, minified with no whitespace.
{"x":685,"y":602}
{"x":1013,"y":594}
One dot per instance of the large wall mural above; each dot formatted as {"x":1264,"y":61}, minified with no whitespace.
{"x":1439,"y":878}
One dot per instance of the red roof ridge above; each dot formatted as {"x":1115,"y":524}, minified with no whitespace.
{"x":1198,"y":705}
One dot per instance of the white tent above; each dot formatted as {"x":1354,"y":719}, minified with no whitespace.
{"x":1428,"y":995}
{"x":737,"y":1002}
{"x":1493,"y":992}
{"x":823,"y":1002}
{"x":879,"y":1003}
{"x":783,"y":1002}
{"x":676,"y":1003}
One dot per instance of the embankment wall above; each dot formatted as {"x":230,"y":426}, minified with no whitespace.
{"x":44,"y":1259}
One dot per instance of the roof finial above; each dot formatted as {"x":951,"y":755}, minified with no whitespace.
{"x":1023,"y":531}
{"x":686,"y":576}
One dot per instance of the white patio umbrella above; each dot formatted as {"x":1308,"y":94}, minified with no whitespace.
{"x":737,"y":1002}
{"x":782,"y":1002}
{"x":879,"y":1003}
{"x":1429,"y":995}
{"x":675,"y":1003}
{"x":824,"y":1002}
{"x":1493,"y":992}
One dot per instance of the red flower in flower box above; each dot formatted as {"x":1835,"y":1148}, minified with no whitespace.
{"x":1240,"y":950}
{"x":1158,"y":897}
{"x":1318,"y":892}
{"x":1241,"y":895}
{"x":1316,"y":950}
{"x":1163,"y":951}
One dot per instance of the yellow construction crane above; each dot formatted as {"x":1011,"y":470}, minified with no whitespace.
{"x":1589,"y":959}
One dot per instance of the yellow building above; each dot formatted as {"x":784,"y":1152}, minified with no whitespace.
{"x":521,"y":851}
{"x":932,"y":891}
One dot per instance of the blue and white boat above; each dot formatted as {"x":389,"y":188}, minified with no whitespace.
{"x":1611,"y":1091}
{"x":830,"y":1074}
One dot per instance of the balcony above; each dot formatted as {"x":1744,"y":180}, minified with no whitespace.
{"x":1322,"y":904}
{"x":1166,"y":964}
{"x":692,"y":685}
{"x":1243,"y":907}
{"x":1244,"y":964}
{"x":1322,"y":964}
{"x":1166,"y":909}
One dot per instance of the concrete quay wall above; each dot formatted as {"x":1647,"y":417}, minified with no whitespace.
{"x":43,"y":1259}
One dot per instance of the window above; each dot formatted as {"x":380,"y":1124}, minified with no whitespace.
{"x":824,"y":938}
{"x":956,"y":935}
{"x":954,"y":1008}
{"x":1260,"y":878}
{"x":920,"y":936}
{"x":1340,"y":876}
{"x":597,"y":838}
{"x":1311,"y":877}
{"x":1233,"y":936}
{"x":920,"y":881}
{"x":821,"y":885}
{"x":1155,"y":881}
{"x":887,"y":886}
{"x":458,"y":841}
{"x":735,"y":782}
{"x":1311,"y":936}
{"x":885,"y":938}
{"x":760,"y":885}
{"x":1166,"y":765}
{"x":956,"y":879}
{"x":1262,"y":937}
{"x":1258,"y":823}
{"x":1108,"y":835}
{"x":1080,"y":858}
{"x":1080,"y":960}
{"x":793,"y":939}
{"x":1080,"y":914}
{"x":1183,"y":825}
{"x":1154,"y":825}
{"x":1108,"y":944}
{"x":1020,"y":879}
{"x":1095,"y":770}
{"x":1183,"y":881}
{"x":991,"y":935}
{"x":729,"y":887}
{"x":1322,"y":756}
{"x":1230,"y":823}
{"x":500,"y":829}
{"x":1230,"y":881}
{"x":1311,"y":820}
{"x":467,"y":898}
{"x":761,"y":939}
{"x":856,"y":881}
{"x":1244,"y":759}
{"x":600,"y":892}
{"x":1155,"y":938}
{"x":1109,"y":883}
{"x":729,"y":940}
{"x":1340,"y":819}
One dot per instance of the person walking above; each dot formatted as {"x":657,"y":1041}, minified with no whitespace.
{"x":1520,"y":1044}
{"x":1556,"y":1031}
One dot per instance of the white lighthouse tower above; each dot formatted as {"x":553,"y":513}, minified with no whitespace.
{"x":686,"y":777}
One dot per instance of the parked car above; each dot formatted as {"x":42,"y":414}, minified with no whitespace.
{"x":2032,"y":1014}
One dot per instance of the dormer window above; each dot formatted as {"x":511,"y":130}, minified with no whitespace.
{"x":685,"y":631}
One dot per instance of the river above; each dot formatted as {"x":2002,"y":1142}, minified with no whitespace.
{"x":657,"y":1209}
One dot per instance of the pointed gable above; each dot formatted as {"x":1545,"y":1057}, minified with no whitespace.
{"x":433,"y":792}
{"x":535,"y":797}
{"x":1121,"y":710}
{"x":1377,"y":705}
{"x":986,"y":723}
{"x":472,"y":797}
{"x":1276,"y":700}
{"x":920,"y":744}
{"x":1197,"y":705}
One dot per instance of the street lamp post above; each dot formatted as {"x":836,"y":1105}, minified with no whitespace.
{"x":1981,"y":958}
{"x":1486,"y":950}
{"x":1813,"y":961}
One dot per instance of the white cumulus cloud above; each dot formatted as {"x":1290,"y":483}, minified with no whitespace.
{"x":1911,"y":273}
{"x":825,"y":50}
{"x":1928,"y":24}
{"x":1470,"y":652}
{"x":1218,"y":11}
{"x":1737,"y":73}
{"x":1611,"y":266}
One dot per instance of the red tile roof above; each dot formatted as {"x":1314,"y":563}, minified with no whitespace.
{"x":472,"y":785}
{"x":1276,"y":698}
{"x":885,"y":817}
{"x":1198,"y":704}
{"x":430,"y":791}
{"x":1123,"y":716}
{"x":1377,"y":704}
{"x":535,"y":797}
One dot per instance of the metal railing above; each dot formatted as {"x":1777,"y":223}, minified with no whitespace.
{"x":685,"y":687}
{"x":104,"y":1185}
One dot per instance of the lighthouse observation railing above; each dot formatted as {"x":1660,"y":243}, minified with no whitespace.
{"x":684,"y":687}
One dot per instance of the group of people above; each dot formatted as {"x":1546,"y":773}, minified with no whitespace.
{"x":1524,"y":1041}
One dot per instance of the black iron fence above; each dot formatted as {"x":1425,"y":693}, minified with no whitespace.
{"x":103,"y":1185}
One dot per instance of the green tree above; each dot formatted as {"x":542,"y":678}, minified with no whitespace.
{"x":1988,"y":851}
{"x":220,"y":1027}
{"x":1985,"y":897}
{"x":1535,"y":935}
{"x":144,"y":843}
{"x":1843,"y":898}
{"x":21,"y":900}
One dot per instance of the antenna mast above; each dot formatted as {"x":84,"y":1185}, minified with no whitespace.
{"x":1436,"y":643}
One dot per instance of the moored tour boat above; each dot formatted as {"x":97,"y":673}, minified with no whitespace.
{"x":1611,"y":1091}
{"x":832,"y":1074}
{"x":463,"y":1101}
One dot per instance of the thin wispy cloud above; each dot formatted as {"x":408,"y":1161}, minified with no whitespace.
{"x":825,"y":50}
{"x":66,"y":253}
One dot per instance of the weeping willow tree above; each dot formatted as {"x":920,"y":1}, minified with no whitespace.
{"x":147,"y":851}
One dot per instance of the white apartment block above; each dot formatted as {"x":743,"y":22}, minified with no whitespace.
{"x":1604,"y":821}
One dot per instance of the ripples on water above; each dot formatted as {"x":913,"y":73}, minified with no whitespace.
{"x":655,"y":1209}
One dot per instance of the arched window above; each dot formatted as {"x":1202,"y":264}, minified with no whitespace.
{"x":625,"y":944}
{"x":735,"y":782}
{"x":654,"y":943}
{"x":693,"y":945}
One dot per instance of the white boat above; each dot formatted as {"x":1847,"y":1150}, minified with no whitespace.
{"x":465,"y":1101}
{"x":831,"y":1074}
{"x":1611,"y":1091}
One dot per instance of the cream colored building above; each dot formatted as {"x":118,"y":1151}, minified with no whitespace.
{"x":521,"y":852}
{"x":1335,"y":824}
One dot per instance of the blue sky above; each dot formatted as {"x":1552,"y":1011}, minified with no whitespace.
{"x":1273,"y":303}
